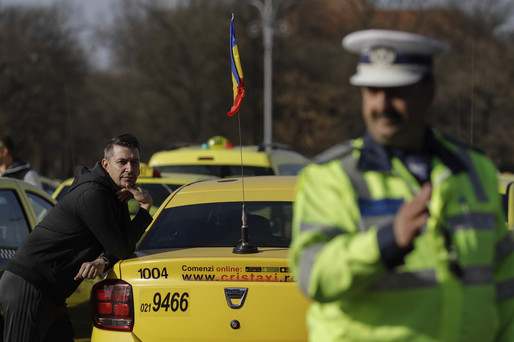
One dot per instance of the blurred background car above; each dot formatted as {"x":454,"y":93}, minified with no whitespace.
{"x":22,"y":207}
{"x":49,"y":184}
{"x":219,"y":157}
{"x":191,"y":278}
{"x":62,"y":189}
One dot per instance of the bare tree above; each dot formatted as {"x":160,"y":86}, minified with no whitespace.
{"x":42,"y":69}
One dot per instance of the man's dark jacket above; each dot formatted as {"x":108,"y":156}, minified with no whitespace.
{"x":88,"y":221}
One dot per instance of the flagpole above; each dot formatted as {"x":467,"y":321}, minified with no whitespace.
{"x":238,"y":86}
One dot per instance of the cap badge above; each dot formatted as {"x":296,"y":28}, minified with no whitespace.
{"x":381,"y":55}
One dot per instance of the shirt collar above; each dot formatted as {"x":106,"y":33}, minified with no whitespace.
{"x":375,"y":157}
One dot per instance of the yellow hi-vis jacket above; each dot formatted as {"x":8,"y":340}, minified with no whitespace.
{"x":455,"y":283}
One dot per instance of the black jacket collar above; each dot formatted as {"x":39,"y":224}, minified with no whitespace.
{"x":95,"y":174}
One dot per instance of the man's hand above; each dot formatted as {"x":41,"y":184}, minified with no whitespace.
{"x":89,"y":270}
{"x":137,"y":193}
{"x":411,"y":217}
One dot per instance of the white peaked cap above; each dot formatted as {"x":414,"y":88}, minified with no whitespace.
{"x":391,"y":58}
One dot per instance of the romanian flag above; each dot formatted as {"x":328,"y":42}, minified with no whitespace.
{"x":238,"y":82}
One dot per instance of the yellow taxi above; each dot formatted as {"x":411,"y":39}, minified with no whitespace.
{"x":22,"y":207}
{"x":219,"y":157}
{"x":213,"y":265}
{"x":62,"y":189}
{"x":506,"y":189}
{"x":49,"y":184}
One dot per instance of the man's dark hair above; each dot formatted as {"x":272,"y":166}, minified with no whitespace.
{"x":7,"y":142}
{"x":125,"y":140}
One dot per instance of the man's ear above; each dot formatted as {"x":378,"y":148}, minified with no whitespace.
{"x":105,"y":163}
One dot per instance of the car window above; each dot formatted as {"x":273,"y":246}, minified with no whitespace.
{"x":235,"y":171}
{"x":40,"y":205}
{"x":14,"y":225}
{"x":219,"y":225}
{"x":49,"y":188}
{"x":159,"y":193}
{"x":217,"y":170}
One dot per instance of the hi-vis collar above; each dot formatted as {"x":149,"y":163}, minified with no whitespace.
{"x":375,"y":157}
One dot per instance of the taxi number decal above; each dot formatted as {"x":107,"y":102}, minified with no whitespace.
{"x":153,"y":273}
{"x":167,"y":302}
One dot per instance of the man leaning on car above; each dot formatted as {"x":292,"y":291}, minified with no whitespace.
{"x":91,"y":222}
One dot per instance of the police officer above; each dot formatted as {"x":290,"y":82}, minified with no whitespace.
{"x":401,"y":235}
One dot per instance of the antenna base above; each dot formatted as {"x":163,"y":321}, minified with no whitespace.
{"x":245,"y":249}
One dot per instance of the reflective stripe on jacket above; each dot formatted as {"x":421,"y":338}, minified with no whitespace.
{"x":456,"y":283}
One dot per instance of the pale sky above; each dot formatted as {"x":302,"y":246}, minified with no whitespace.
{"x":89,"y":14}
{"x":94,"y":13}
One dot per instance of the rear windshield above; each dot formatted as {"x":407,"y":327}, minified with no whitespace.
{"x":219,"y":225}
{"x":217,"y":170}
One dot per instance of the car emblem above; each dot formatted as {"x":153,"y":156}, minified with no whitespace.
{"x":235,"y":296}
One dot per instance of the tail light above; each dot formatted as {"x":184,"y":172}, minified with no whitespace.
{"x":112,"y":305}
{"x":156,"y":173}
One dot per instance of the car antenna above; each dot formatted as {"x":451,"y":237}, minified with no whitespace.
{"x":244,"y":246}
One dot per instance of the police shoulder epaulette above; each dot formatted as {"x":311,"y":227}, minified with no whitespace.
{"x":335,"y":152}
{"x":459,"y":142}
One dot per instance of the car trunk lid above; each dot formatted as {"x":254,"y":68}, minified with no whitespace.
{"x":191,"y":294}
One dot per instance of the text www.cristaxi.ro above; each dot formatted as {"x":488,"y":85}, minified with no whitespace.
{"x":279,"y":278}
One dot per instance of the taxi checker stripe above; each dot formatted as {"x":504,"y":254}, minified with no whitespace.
{"x":308,"y":256}
{"x":504,"y":248}
{"x":476,"y":275}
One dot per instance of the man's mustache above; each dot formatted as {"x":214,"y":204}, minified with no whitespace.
{"x":389,"y":114}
